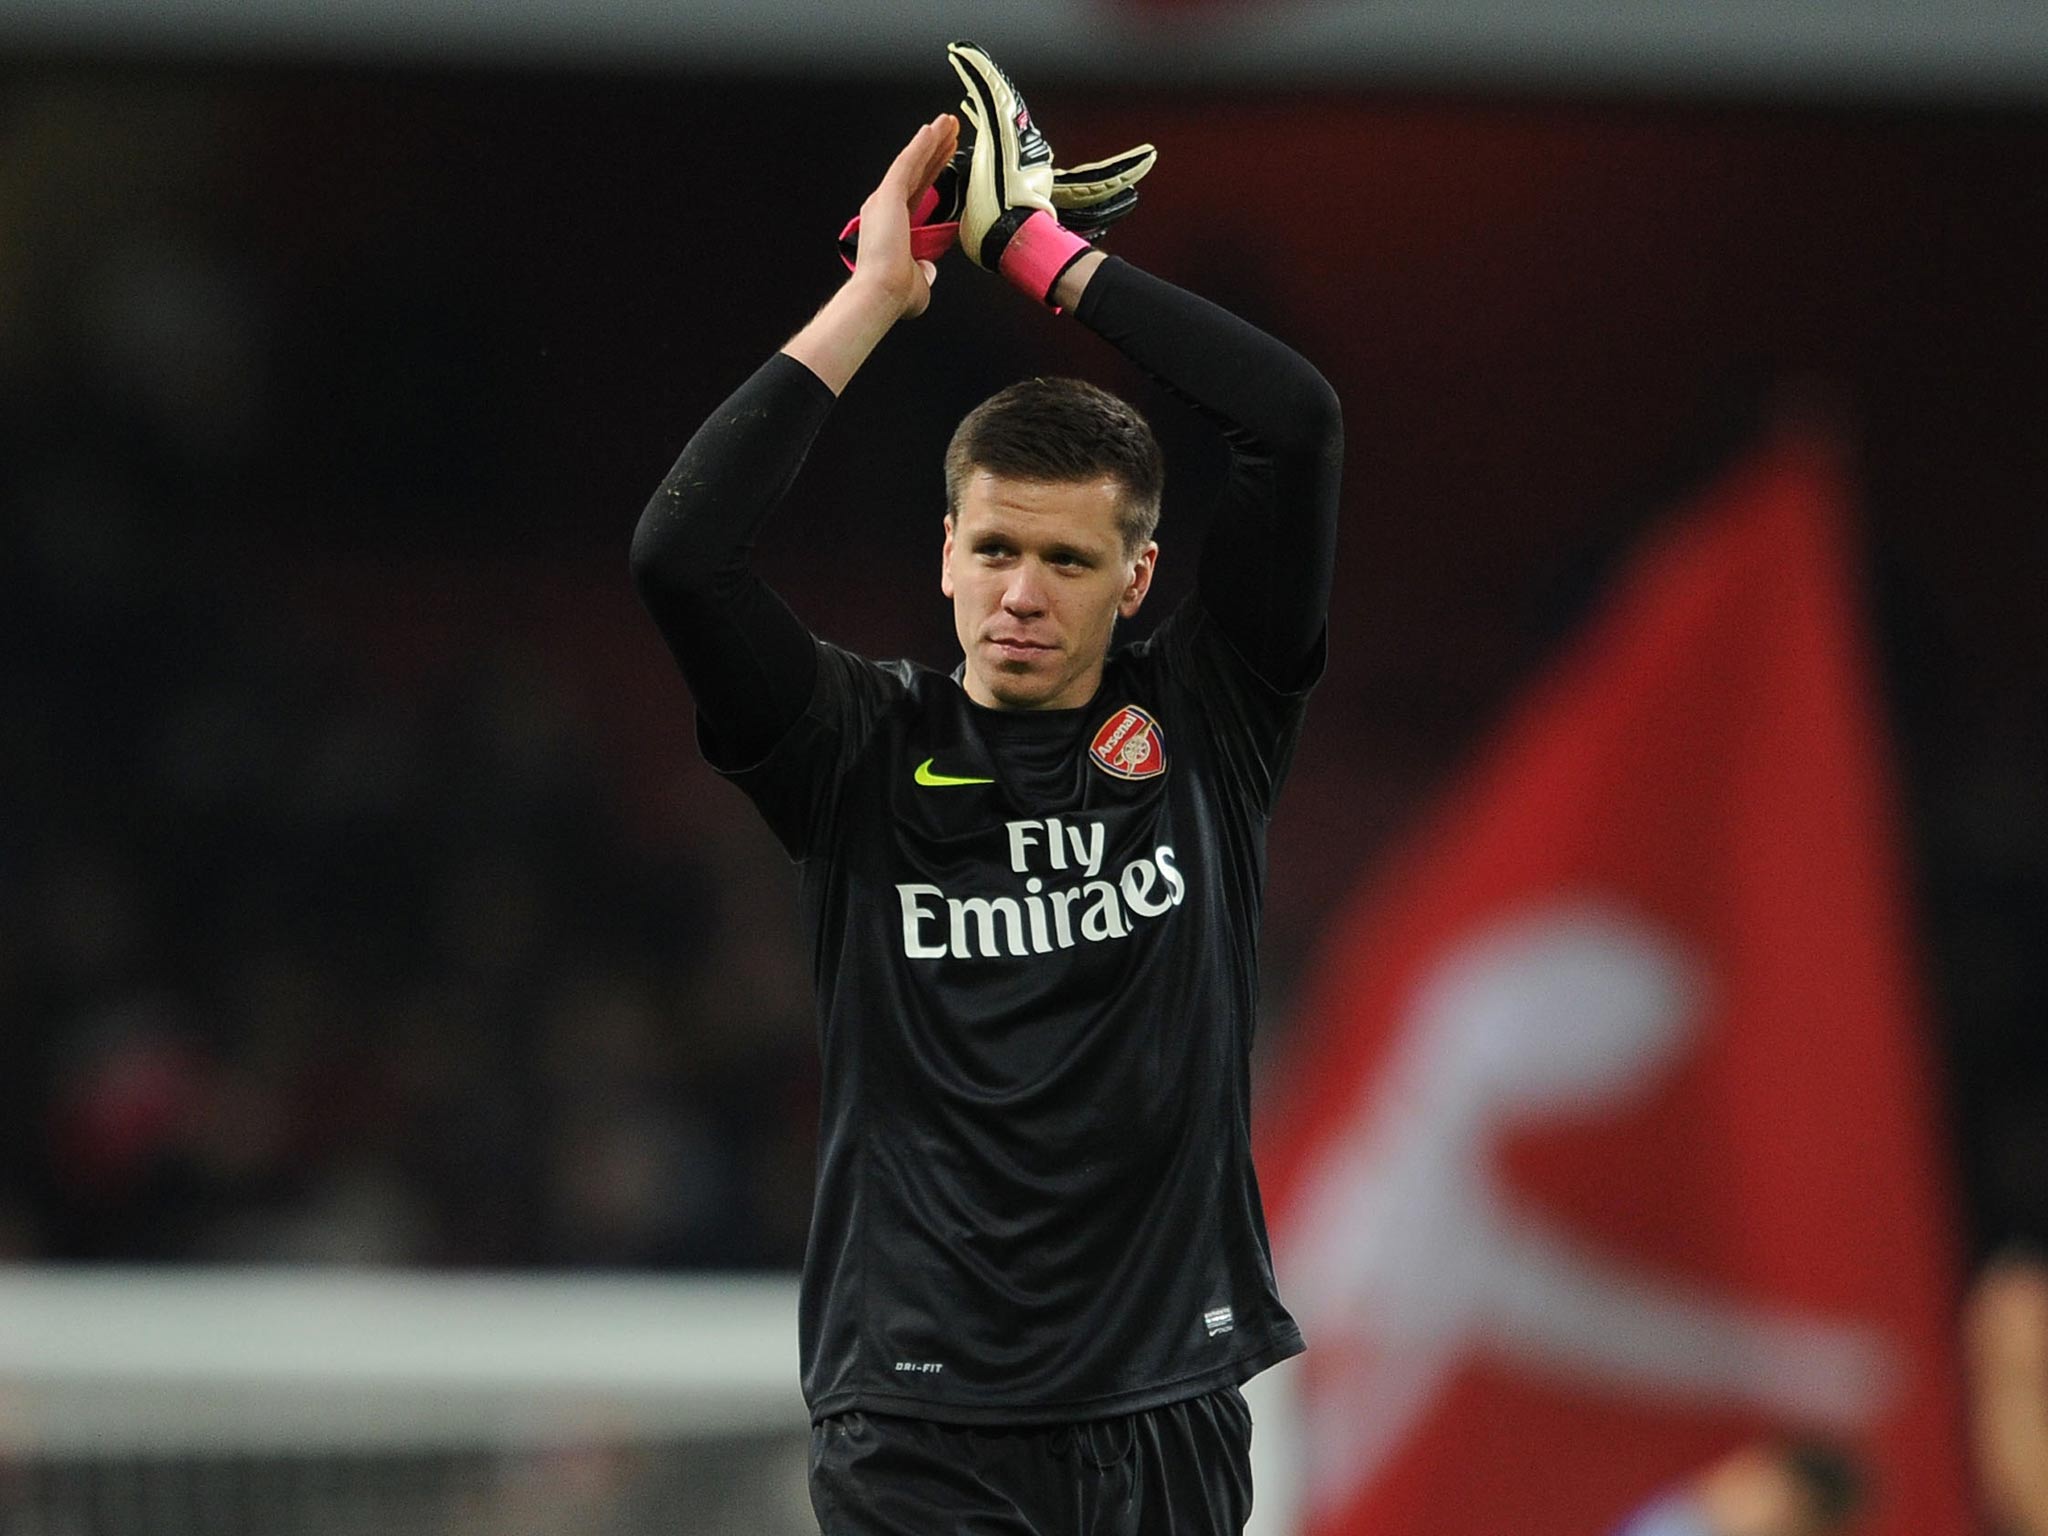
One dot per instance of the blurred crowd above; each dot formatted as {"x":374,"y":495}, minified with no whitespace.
{"x":298,"y":968}
{"x":300,"y":960}
{"x":298,"y":965}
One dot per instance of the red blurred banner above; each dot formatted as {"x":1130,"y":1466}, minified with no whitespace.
{"x":1611,"y":1142}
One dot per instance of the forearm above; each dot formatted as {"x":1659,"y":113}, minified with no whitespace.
{"x":1266,"y":397}
{"x":845,"y":332}
{"x":749,"y":661}
{"x":1267,"y":563}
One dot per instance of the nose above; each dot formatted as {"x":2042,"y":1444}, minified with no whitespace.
{"x":1024,"y":595}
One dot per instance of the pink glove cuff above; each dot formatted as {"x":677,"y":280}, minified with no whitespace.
{"x":1038,"y":253}
{"x":928,"y":242}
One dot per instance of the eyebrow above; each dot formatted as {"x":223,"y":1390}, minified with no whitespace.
{"x":1054,"y":551}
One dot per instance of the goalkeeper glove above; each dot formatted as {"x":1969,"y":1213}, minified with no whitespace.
{"x":1089,"y":198}
{"x":1010,"y":216}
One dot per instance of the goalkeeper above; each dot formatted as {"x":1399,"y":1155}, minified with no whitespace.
{"x":1037,"y":1270}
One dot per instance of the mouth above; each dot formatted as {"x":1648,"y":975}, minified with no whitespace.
{"x":1019,"y":650}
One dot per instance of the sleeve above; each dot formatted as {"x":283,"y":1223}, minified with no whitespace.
{"x":1253,"y":725}
{"x":797,"y":784}
{"x":1267,"y":562}
{"x":778,"y":712}
{"x":749,"y":660}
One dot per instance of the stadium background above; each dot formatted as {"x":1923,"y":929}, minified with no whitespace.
{"x":363,"y":899}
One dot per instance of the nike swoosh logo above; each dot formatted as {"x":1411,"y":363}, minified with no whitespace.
{"x":930,"y":780}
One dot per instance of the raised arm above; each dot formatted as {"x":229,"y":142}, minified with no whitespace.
{"x":1265,"y":571}
{"x":749,"y":661}
{"x":1266,"y":564}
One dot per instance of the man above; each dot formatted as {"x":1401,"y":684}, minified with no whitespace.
{"x":1037,"y":1268}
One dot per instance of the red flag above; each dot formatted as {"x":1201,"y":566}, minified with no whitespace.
{"x":1612,"y":1140}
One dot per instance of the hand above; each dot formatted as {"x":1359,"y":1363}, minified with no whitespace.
{"x":1089,"y":199}
{"x":886,"y":264}
{"x":1009,"y":221}
{"x":890,"y":281}
{"x":1010,"y":173}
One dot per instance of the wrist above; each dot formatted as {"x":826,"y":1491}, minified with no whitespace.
{"x":872,"y":298}
{"x":851,"y":325}
{"x":1066,"y":293}
{"x":1038,"y":253}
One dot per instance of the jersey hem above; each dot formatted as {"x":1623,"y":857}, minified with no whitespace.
{"x":1231,"y":1373}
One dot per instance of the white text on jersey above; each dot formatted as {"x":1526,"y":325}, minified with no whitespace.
{"x":938,"y":927}
{"x":1085,"y":842}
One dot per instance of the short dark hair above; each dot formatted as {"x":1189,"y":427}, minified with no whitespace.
{"x":1062,"y":430}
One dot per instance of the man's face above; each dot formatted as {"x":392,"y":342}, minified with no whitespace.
{"x":1038,"y":575}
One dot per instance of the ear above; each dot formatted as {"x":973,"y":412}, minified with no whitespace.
{"x":1141,"y":581}
{"x":946,"y":559}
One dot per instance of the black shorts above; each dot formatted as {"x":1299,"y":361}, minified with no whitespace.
{"x":1179,"y":1470}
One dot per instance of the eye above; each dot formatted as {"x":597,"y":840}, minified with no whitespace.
{"x":992,"y":549}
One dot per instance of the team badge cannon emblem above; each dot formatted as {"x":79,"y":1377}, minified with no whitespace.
{"x":1129,"y":745}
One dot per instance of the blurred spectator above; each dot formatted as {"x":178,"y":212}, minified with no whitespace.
{"x":303,"y":964}
{"x":1798,"y":1488}
{"x":2005,"y":1356}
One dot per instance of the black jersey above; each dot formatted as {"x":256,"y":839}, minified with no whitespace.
{"x":1034,"y":937}
{"x":1034,"y":932}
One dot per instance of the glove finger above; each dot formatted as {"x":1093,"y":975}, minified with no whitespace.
{"x":978,"y":207}
{"x":978,"y":172}
{"x":986,"y":107}
{"x":974,"y":66}
{"x":1131,"y":165}
{"x":1091,"y":221}
{"x":970,"y":113}
{"x":971,"y":101}
{"x":1080,"y":185}
{"x":970,"y":104}
{"x":1023,"y":148}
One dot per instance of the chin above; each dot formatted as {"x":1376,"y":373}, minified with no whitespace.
{"x":1024,"y":696}
{"x":1022,"y":689}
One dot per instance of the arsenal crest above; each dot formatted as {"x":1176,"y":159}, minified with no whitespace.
{"x":1129,"y":745}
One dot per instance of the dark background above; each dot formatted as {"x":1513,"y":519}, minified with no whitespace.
{"x":362,"y":897}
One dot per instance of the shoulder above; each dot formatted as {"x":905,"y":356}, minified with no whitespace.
{"x":877,"y":687}
{"x":1158,"y":644}
{"x":1186,"y":644}
{"x":1190,"y":666}
{"x":846,"y":666}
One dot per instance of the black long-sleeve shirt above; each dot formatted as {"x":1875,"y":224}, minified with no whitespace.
{"x":1034,"y":931}
{"x":1265,"y":567}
